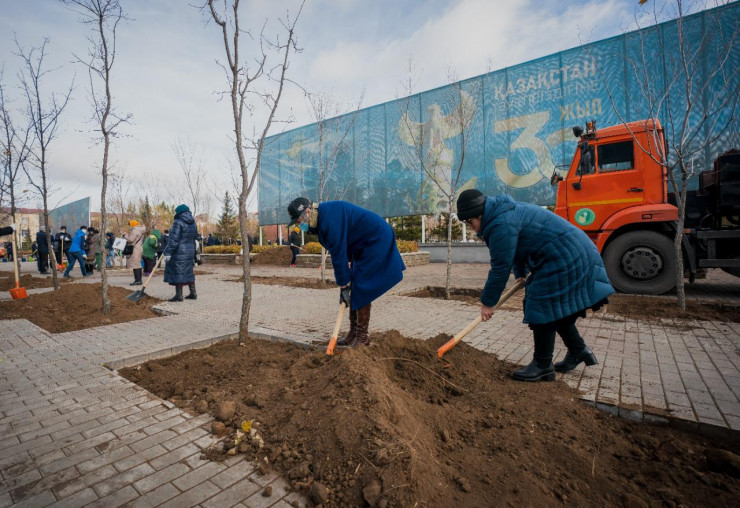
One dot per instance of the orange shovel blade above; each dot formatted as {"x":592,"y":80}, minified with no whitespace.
{"x":18,"y":293}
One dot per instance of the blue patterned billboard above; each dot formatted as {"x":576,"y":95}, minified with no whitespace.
{"x":505,"y":131}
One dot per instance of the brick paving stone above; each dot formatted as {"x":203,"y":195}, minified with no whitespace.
{"x":117,"y":498}
{"x":198,"y":476}
{"x":120,"y":480}
{"x":237,"y":492}
{"x":82,"y":498}
{"x":193,"y":496}
{"x":237,"y":472}
{"x":156,"y":497}
{"x":160,"y":477}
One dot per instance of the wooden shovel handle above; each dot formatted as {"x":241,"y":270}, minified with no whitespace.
{"x":159,"y":261}
{"x":15,"y":260}
{"x":457,"y":338}
{"x":333,"y":341}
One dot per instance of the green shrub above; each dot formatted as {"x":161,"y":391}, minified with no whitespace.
{"x":223,"y":249}
{"x":405,"y":246}
{"x":262,"y":248}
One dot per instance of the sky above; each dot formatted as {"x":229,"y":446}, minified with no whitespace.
{"x":167,"y":74}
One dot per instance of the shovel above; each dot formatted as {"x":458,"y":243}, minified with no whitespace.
{"x":457,"y":338}
{"x":18,"y":293}
{"x":138,"y":295}
{"x":335,"y":334}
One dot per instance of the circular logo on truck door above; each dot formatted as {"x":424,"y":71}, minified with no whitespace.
{"x":584,"y":217}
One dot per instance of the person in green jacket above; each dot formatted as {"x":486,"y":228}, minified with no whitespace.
{"x":150,"y":251}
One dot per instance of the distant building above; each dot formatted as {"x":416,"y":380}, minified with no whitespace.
{"x":27,"y":220}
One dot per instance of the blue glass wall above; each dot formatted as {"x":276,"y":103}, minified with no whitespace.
{"x":509,"y":128}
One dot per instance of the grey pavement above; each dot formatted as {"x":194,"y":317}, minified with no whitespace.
{"x":73,"y":432}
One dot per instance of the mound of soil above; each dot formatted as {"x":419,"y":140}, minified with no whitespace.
{"x":648,"y":308}
{"x":77,"y":307}
{"x":294,"y":282}
{"x":274,"y":256}
{"x":392,"y":425}
{"x":28,"y":281}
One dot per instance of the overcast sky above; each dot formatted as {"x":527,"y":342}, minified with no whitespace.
{"x":166,"y":75}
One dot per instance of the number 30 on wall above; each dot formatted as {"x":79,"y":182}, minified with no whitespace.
{"x":527,"y":139}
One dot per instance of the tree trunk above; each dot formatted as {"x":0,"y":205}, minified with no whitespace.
{"x":247,"y":296}
{"x":104,"y":227}
{"x":449,"y":252}
{"x":677,"y":240}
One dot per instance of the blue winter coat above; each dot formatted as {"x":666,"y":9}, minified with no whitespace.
{"x":351,"y":233}
{"x":181,"y":248}
{"x":568,"y":275}
{"x":78,"y":242}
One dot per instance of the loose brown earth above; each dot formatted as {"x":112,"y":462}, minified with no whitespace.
{"x":77,"y":307}
{"x":392,"y":425}
{"x":295,"y":282}
{"x":629,"y":306}
{"x":274,"y":256}
{"x":28,"y":281}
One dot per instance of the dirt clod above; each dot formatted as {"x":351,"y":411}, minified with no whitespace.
{"x":723,"y":461}
{"x":319,"y":493}
{"x":226,"y":410}
{"x":201,"y":406}
{"x":218,"y":428}
{"x":268,"y":491}
{"x":371,"y":492}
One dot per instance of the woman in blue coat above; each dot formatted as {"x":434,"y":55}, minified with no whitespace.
{"x":363,"y":252}
{"x":179,"y":255}
{"x":567,"y":274}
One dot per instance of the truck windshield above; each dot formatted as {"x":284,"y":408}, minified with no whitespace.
{"x":616,"y":156}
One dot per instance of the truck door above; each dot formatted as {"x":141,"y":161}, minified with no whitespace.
{"x":603,"y":182}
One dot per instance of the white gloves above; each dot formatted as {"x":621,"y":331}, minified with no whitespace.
{"x":167,"y":259}
{"x":14,"y":226}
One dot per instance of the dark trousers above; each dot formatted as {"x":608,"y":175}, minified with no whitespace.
{"x":149,"y":264}
{"x":75,"y":256}
{"x":295,"y":253}
{"x":544,"y":338}
{"x":42,"y":260}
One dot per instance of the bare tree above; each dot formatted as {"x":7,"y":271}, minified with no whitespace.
{"x":15,"y":148}
{"x":190,"y":159}
{"x":103,"y":16}
{"x":696,"y":96}
{"x":243,"y":82}
{"x":334,"y":136}
{"x":43,"y":114}
{"x":441,"y":167}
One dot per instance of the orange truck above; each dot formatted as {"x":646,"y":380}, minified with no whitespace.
{"x":618,"y":195}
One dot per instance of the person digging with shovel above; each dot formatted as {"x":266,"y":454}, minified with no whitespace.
{"x":567,"y":275}
{"x":363,"y":252}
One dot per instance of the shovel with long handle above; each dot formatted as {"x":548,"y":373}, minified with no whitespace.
{"x":335,"y":333}
{"x":17,"y":293}
{"x":457,"y":338}
{"x":138,"y":295}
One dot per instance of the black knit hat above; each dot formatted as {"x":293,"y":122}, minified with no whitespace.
{"x":470,"y":204}
{"x":296,"y":209}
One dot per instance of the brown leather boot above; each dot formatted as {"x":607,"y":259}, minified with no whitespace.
{"x":363,"y":323}
{"x":349,"y":339}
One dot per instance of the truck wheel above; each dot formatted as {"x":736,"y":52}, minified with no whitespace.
{"x":641,"y":262}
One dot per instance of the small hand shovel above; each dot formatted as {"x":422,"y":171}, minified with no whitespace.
{"x":17,"y":293}
{"x":138,"y":295}
{"x":335,"y":334}
{"x":457,"y":338}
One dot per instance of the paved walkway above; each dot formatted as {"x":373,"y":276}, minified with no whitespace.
{"x":73,"y":433}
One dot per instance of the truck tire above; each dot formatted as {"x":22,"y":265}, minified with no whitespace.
{"x":641,"y":262}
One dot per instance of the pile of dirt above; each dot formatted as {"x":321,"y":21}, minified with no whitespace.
{"x":274,"y":256}
{"x":77,"y":307}
{"x":392,"y":425}
{"x":28,"y":281}
{"x":294,"y":282}
{"x":646,"y":308}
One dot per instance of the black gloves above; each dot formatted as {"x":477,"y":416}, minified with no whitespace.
{"x":345,"y":295}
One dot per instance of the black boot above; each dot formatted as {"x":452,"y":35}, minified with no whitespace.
{"x":349,"y":339}
{"x":533,"y":372}
{"x":571,"y":361}
{"x":363,"y":323}
{"x":137,"y":277}
{"x":193,"y":295}
{"x":178,"y":294}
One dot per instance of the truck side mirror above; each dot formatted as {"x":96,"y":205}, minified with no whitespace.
{"x":577,"y":185}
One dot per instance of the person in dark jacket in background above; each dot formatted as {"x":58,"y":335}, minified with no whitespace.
{"x":92,"y":246}
{"x":210,"y":241}
{"x":77,"y":252}
{"x":295,"y":241}
{"x":179,"y":256}
{"x":62,"y":243}
{"x":162,"y":243}
{"x":567,"y":275}
{"x":110,"y":253}
{"x":363,"y":251}
{"x":42,"y":250}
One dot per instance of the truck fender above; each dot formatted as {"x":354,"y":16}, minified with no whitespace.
{"x":641,"y":214}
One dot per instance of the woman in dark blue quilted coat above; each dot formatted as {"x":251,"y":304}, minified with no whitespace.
{"x":567,"y":275}
{"x":179,"y":255}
